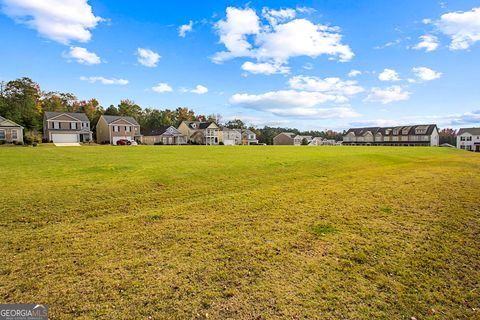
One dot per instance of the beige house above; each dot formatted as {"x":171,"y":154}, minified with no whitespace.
{"x":200,"y":132}
{"x":318,"y":141}
{"x":284,"y":138}
{"x":10,"y":131}
{"x":231,"y":137}
{"x":163,"y":135}
{"x":417,"y":135}
{"x":110,"y":129}
{"x":298,"y":139}
{"x":66,"y":127}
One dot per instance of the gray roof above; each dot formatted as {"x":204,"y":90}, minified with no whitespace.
{"x":158,"y":131}
{"x":388,"y":131}
{"x":199,"y":124}
{"x":14,"y":125}
{"x":290,"y":134}
{"x":472,"y":131}
{"x":111,"y":119}
{"x":77,"y":115}
{"x":304,"y":137}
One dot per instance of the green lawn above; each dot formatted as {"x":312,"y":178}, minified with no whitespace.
{"x":241,"y":232}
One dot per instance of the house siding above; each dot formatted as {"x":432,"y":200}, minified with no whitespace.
{"x":9,"y":131}
{"x":282,"y":139}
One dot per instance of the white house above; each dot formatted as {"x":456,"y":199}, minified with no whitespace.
{"x":469,"y":139}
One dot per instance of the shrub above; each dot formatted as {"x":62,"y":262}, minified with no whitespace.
{"x":221,"y":143}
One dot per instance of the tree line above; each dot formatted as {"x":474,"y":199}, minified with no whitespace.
{"x":22,"y":101}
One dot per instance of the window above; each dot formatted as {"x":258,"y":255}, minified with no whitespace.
{"x":56,"y":125}
{"x":469,"y":138}
{"x":116,"y":128}
{"x":2,"y":134}
{"x":462,"y":147}
{"x":128,"y":129}
{"x":73,"y":125}
{"x":85,"y":124}
{"x":462,"y":138}
{"x":14,"y":134}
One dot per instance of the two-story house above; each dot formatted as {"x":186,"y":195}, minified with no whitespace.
{"x":298,"y":140}
{"x":284,"y":139}
{"x":110,"y":129}
{"x":200,"y":132}
{"x":10,"y":131}
{"x":231,"y":137}
{"x":249,"y":137}
{"x":416,"y":135}
{"x":66,"y":127}
{"x":469,"y":139}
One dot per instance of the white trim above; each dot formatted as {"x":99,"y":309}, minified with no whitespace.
{"x":64,"y":114}
{"x":6,"y":121}
{"x":111,"y":123}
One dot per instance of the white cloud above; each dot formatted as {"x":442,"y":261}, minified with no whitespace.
{"x":426,"y":74}
{"x":104,"y":80}
{"x":462,"y":27}
{"x":59,"y":20}
{"x":199,"y":89}
{"x":264,"y":68}
{"x":233,"y":33}
{"x":333,"y":86}
{"x":276,"y":16}
{"x":376,"y":123}
{"x":388,"y":75}
{"x":147,"y":57}
{"x":354,"y":73}
{"x":291,"y":103}
{"x":387,"y":95}
{"x":184,"y":29}
{"x":283,"y":98}
{"x":277,"y":38}
{"x":466,"y":118}
{"x":162,"y":88}
{"x":429,"y":43}
{"x":83,"y":56}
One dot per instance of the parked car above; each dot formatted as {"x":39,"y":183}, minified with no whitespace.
{"x":124,"y":142}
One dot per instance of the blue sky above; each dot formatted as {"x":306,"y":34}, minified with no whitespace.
{"x":309,"y":64}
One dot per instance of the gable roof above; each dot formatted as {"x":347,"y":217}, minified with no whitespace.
{"x":389,"y":131}
{"x":288,"y":134}
{"x":8,"y":123}
{"x":196,"y":125}
{"x":158,"y":131}
{"x":76,"y":115}
{"x":110,"y":119}
{"x":472,"y":131}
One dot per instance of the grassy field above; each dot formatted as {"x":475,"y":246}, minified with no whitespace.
{"x":241,"y":232}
